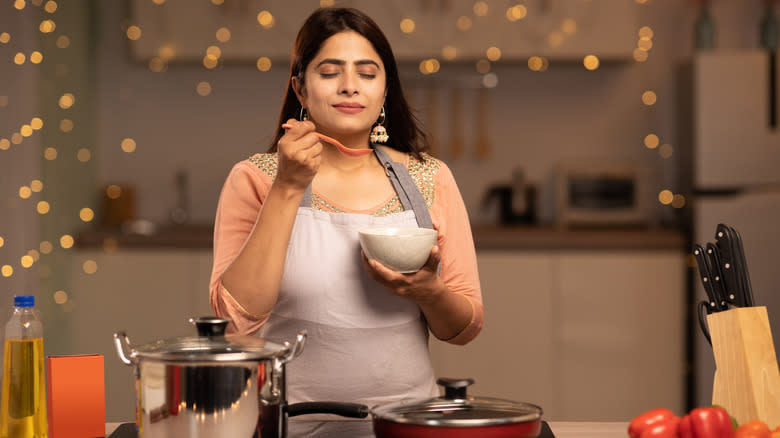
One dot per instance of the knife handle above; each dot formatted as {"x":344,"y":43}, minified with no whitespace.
{"x":705,"y":275}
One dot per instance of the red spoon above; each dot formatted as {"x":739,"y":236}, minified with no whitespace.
{"x":344,"y":150}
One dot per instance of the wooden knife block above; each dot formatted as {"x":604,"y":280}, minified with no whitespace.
{"x":747,"y":379}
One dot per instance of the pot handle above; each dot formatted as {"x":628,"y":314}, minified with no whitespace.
{"x":296,"y":349}
{"x":351,"y":410}
{"x":121,"y":341}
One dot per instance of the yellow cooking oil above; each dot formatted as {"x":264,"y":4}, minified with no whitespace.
{"x":23,"y":413}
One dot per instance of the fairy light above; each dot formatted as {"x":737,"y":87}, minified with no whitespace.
{"x":45,"y":247}
{"x":89,"y":267}
{"x":665,"y":197}
{"x":43,"y":207}
{"x":5,"y":144}
{"x":128,"y":145}
{"x":19,"y":58}
{"x":66,"y":241}
{"x":36,"y":57}
{"x":483,"y":66}
{"x":649,"y":98}
{"x":591,"y":62}
{"x":26,"y":261}
{"x":86,"y":214}
{"x":25,"y":192}
{"x":63,"y":42}
{"x":67,"y":100}
{"x":133,"y":33}
{"x":113,"y":191}
{"x":223,"y":34}
{"x":2,"y":241}
{"x":651,"y":141}
{"x":60,"y":297}
{"x":66,"y":125}
{"x":480,"y":9}
{"x":36,"y":185}
{"x":7,"y":270}
{"x":50,"y":6}
{"x":407,"y":25}
{"x":50,"y":154}
{"x":47,"y":26}
{"x":214,"y":51}
{"x":517,"y":12}
{"x":449,"y":53}
{"x":203,"y":88}
{"x":263,"y":63}
{"x":266,"y":19}
{"x":493,"y":53}
{"x":5,"y":37}
{"x":157,"y":64}
{"x":569,"y":26}
{"x":36,"y":123}
{"x":537,"y":63}
{"x":83,"y":155}
{"x":463,"y":23}
{"x":19,"y":4}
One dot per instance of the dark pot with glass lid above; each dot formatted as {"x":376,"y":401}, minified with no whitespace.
{"x":216,"y":385}
{"x":457,"y":415}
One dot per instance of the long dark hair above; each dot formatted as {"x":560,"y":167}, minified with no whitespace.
{"x":406,"y":135}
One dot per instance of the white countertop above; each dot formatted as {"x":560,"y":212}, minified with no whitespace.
{"x":561,"y":429}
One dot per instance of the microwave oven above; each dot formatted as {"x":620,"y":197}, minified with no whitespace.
{"x":600,"y":194}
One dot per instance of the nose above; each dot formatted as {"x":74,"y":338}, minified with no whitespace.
{"x":348,"y":85}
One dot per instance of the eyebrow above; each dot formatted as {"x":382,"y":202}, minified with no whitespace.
{"x":342,"y":62}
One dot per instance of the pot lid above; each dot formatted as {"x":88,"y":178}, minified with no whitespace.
{"x":212,"y":345}
{"x":456,"y":408}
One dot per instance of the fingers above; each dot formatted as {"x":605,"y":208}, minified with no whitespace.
{"x":433,"y":260}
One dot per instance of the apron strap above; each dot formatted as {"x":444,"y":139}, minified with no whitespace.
{"x":404,"y":186}
{"x":408,"y":193}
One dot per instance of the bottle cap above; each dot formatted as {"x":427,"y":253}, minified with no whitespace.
{"x":24,"y":301}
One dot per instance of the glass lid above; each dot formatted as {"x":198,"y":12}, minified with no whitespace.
{"x":211,"y":345}
{"x":456,"y":408}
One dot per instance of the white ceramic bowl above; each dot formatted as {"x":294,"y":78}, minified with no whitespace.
{"x":404,"y":250}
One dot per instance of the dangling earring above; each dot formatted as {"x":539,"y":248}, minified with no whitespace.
{"x":379,"y":133}
{"x":303,"y":115}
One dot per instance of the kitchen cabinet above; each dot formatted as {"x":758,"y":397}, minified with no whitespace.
{"x":149,"y":294}
{"x":588,"y":335}
{"x":556,"y":29}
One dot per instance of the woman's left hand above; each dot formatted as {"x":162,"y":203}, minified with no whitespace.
{"x":423,"y":286}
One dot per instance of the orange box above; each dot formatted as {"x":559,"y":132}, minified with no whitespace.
{"x":75,"y":389}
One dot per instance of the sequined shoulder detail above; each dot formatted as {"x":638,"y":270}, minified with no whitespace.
{"x":423,"y":173}
{"x":266,"y":162}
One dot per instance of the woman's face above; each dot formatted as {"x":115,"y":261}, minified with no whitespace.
{"x":344,"y":85}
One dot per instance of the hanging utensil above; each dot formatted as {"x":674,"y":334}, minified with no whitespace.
{"x":456,"y":124}
{"x":483,"y":118}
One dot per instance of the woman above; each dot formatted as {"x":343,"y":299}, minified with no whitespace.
{"x":286,"y":249}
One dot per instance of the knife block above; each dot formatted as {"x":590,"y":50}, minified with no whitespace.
{"x":747,"y":379}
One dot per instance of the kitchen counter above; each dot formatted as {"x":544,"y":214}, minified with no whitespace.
{"x":561,"y":429}
{"x":528,"y":237}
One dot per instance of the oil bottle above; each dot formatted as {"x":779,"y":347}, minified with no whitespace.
{"x":23,"y":412}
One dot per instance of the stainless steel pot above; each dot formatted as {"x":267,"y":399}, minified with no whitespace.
{"x":213,"y":385}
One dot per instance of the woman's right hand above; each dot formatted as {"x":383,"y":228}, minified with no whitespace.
{"x":299,"y":154}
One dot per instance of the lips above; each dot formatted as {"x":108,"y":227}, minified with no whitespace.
{"x":349,"y":107}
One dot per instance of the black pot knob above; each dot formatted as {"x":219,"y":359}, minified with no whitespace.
{"x":454,"y":389}
{"x":210,"y":326}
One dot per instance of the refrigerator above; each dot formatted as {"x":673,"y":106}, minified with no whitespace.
{"x":735,"y":174}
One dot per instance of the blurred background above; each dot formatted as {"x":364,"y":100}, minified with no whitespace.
{"x":586,"y":136}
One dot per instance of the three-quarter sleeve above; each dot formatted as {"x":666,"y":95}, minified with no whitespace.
{"x":459,"y":269}
{"x":239,"y":204}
